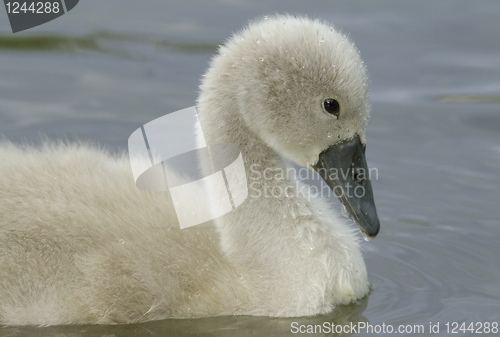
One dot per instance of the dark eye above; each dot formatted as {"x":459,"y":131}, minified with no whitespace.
{"x":332,"y":106}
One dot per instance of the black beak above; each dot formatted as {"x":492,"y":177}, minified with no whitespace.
{"x":343,"y":167}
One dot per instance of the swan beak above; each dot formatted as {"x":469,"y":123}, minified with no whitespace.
{"x":343,"y":167}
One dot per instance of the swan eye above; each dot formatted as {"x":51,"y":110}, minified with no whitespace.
{"x":332,"y":106}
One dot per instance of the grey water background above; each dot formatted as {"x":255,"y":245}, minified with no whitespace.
{"x":107,"y":67}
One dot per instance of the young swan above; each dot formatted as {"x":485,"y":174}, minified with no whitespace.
{"x":79,"y":243}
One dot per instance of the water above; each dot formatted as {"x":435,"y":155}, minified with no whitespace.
{"x":108,"y":67}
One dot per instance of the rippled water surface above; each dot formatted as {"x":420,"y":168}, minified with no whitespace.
{"x":108,"y":67}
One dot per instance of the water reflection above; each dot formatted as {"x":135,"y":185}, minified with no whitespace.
{"x":98,"y":41}
{"x":468,"y":98}
{"x":222,"y":326}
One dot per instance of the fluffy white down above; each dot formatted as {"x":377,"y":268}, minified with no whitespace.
{"x":79,"y":243}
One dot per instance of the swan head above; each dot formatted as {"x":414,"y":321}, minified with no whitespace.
{"x":301,"y":87}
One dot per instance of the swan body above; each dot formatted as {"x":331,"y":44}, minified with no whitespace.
{"x":79,"y":243}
